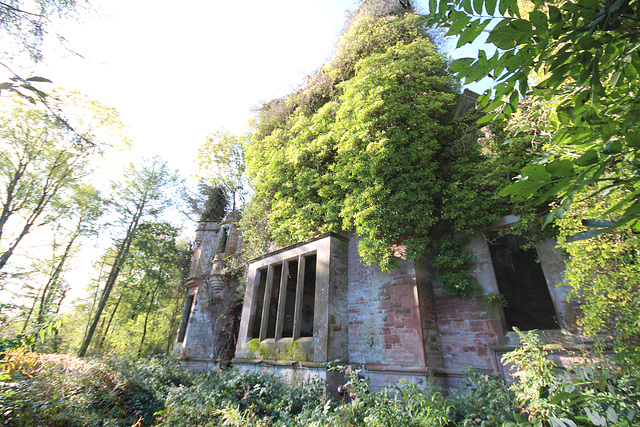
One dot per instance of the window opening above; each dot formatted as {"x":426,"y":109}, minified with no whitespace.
{"x":224,"y":235}
{"x":290,"y":299}
{"x":308,"y":297}
{"x":185,"y":315}
{"x":259,"y":295}
{"x":521,"y":280}
{"x":272,"y":315}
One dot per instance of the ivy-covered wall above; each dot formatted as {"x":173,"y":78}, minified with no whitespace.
{"x":371,"y":146}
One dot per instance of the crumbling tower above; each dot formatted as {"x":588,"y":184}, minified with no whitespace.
{"x":206,"y":335}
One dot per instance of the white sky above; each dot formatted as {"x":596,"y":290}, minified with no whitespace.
{"x":177,"y":71}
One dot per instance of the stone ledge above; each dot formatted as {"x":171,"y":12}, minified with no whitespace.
{"x":291,"y":363}
{"x":554,"y":339}
{"x":404,"y":369}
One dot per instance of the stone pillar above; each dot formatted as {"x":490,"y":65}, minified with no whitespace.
{"x":191,"y":340}
{"x":553,"y":268}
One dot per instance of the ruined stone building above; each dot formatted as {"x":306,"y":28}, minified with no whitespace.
{"x":315,"y":302}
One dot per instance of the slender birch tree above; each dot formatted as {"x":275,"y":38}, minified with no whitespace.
{"x":141,"y":194}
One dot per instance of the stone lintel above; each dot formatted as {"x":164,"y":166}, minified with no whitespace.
{"x":300,"y":243}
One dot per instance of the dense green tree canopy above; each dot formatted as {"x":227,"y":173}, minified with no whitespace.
{"x":582,"y":57}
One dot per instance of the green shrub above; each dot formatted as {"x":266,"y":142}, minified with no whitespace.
{"x":488,"y":401}
{"x":267,"y":397}
{"x":67,"y":391}
{"x":595,"y":393}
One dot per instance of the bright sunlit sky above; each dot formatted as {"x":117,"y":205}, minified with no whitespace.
{"x":178,"y":71}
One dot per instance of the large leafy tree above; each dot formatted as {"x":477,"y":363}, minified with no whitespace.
{"x":574,"y":66}
{"x":142,"y":193}
{"x":604,"y":273}
{"x":82,"y":210}
{"x":41,"y":163}
{"x":581,"y":57}
{"x":141,"y":316}
{"x":209,"y":203}
{"x":221,"y":163}
{"x":370,"y":145}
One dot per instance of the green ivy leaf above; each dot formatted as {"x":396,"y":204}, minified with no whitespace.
{"x":596,"y":418}
{"x":503,"y":36}
{"x":589,"y":157}
{"x":478,"y":6}
{"x":560,"y":168}
{"x":472,"y":31}
{"x":521,"y":190}
{"x":615,"y":77}
{"x":490,"y":5}
{"x":433,"y":6}
{"x":38,"y":79}
{"x":562,"y":422}
{"x":597,"y":223}
{"x":633,"y":139}
{"x":614,"y":147}
{"x":459,"y":21}
{"x":537,"y":173}
{"x":487,"y":119}
{"x":466,"y":5}
{"x":583,"y":236}
{"x":461,"y":65}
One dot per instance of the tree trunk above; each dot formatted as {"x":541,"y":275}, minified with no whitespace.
{"x":56,"y":341}
{"x":53,"y":279}
{"x":146,"y":317}
{"x":33,"y":307}
{"x":95,"y":297}
{"x":51,"y":187}
{"x":123,"y":251}
{"x":7,"y":254}
{"x":106,"y":331}
{"x":7,"y":209}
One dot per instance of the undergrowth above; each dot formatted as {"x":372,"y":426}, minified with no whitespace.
{"x":60,"y":390}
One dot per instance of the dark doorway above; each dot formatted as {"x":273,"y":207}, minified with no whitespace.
{"x":522,"y":283}
{"x":290,"y":300}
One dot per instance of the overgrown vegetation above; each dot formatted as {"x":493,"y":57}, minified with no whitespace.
{"x":604,"y":272}
{"x":580,"y":55}
{"x":371,"y":146}
{"x":368,"y":145}
{"x":55,"y":390}
{"x":567,"y":80}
